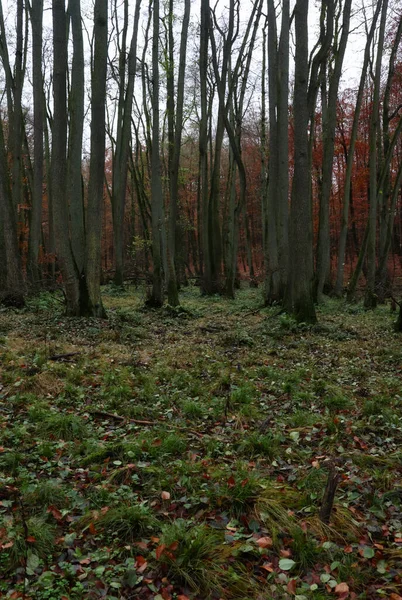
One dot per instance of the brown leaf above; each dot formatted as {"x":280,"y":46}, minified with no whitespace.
{"x":264,"y":542}
{"x":291,"y":586}
{"x":55,"y":512}
{"x":140,"y":563}
{"x":159,"y":551}
{"x":342,"y":588}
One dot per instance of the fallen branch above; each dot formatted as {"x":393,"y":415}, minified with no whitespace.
{"x":103,"y":413}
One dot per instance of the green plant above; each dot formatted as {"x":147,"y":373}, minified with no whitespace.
{"x":126,"y":523}
{"x":193,"y":556}
{"x":192,"y":410}
{"x":337,"y":402}
{"x":46,"y":493}
{"x":305,"y":549}
{"x":40,"y":536}
{"x":255,"y":444}
{"x":237,"y":492}
{"x":243,"y":394}
{"x":63,"y":426}
{"x":173,"y":445}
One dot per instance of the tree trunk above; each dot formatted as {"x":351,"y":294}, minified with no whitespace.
{"x":299,"y":297}
{"x":328,"y":126}
{"x":370,"y":299}
{"x":349,"y":167}
{"x":35,"y":229}
{"x":59,"y":171}
{"x":91,"y":302}
{"x":156,"y":298}
{"x":75,"y":197}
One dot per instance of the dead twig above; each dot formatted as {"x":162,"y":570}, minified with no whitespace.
{"x":103,"y":413}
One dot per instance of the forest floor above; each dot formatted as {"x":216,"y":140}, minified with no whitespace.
{"x":184,"y":453}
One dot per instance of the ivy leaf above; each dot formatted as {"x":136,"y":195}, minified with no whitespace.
{"x":368,"y":552}
{"x":286,"y":564}
{"x":32,"y":563}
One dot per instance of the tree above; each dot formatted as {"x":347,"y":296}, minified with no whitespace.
{"x":123,"y":136}
{"x":158,"y":224}
{"x":353,"y":138}
{"x":35,"y":229}
{"x":370,"y":299}
{"x":175,"y":130}
{"x":277,"y":244}
{"x":329,"y":118}
{"x":59,"y":161}
{"x":91,"y":302}
{"x":299,"y":294}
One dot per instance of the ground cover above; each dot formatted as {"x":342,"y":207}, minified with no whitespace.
{"x":184,"y":453}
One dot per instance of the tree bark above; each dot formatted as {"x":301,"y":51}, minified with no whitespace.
{"x":299,"y":296}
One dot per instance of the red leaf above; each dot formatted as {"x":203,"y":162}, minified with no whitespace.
{"x":55,"y":512}
{"x":264,"y":542}
{"x":182,"y":597}
{"x":159,"y":551}
{"x":231,"y":481}
{"x":31,"y":539}
{"x":140,"y":563}
{"x":92,"y":528}
{"x":291,"y":586}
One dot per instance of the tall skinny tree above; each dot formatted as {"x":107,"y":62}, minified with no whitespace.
{"x":93,"y":298}
{"x":299,"y":296}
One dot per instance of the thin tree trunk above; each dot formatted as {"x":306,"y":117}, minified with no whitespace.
{"x":91,"y":301}
{"x":59,"y":171}
{"x":35,"y":229}
{"x":350,"y":160}
{"x":370,"y":299}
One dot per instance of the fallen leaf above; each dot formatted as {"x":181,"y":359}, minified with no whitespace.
{"x":165,"y":496}
{"x":286,"y":564}
{"x":342,"y":588}
{"x":159,"y":551}
{"x":291,"y":586}
{"x":264,"y":542}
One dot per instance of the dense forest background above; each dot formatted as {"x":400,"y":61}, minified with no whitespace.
{"x":162,"y":142}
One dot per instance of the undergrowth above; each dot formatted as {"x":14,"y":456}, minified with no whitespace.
{"x":184,"y":453}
